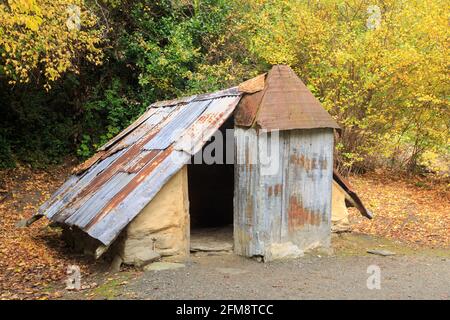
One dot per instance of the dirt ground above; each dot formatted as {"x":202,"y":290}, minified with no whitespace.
{"x":232,"y":277}
{"x":415,"y":210}
{"x":412,"y":217}
{"x":341,"y":274}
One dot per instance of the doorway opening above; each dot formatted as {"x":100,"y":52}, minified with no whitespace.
{"x":211,"y":191}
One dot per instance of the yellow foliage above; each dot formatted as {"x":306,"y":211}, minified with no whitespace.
{"x":389,"y":83}
{"x":36,"y":41}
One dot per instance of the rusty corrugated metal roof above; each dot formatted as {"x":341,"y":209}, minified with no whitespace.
{"x":107,"y":191}
{"x":284,"y":103}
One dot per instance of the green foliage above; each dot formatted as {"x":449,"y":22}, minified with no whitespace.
{"x":6,"y":158}
{"x":169,"y":41}
{"x":106,"y":113}
{"x":34,"y":127}
{"x":162,"y":50}
{"x":155,"y":50}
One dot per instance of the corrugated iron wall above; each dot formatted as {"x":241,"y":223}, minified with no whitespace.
{"x":293,"y":204}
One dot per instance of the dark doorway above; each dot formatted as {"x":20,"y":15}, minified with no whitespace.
{"x":211,"y":188}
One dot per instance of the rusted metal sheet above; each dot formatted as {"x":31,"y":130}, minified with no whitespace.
{"x":83,"y":214}
{"x":308,"y":186}
{"x":205,"y":125}
{"x":109,"y":226}
{"x":286,"y":104}
{"x":133,"y":183}
{"x":272,"y":188}
{"x":245,"y":113}
{"x":72,"y":190}
{"x":157,"y":118}
{"x":351,"y":198}
{"x":247,"y":235}
{"x":129,"y":129}
{"x":254,"y":84}
{"x":292,"y":202}
{"x":177,"y":126}
{"x":111,"y":188}
{"x":144,"y":157}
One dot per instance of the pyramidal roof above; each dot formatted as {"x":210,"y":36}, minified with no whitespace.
{"x":284,"y":103}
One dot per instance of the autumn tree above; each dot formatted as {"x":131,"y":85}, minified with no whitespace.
{"x":380,"y":67}
{"x":42,"y":39}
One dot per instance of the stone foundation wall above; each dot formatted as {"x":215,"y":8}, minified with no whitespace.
{"x":339,"y":211}
{"x":162,"y":227}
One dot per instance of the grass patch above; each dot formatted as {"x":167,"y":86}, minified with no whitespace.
{"x":112,"y":287}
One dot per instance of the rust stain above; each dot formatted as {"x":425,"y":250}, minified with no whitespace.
{"x":277,"y":189}
{"x":88,"y":163}
{"x":133,"y":184}
{"x":115,"y":167}
{"x":203,"y":118}
{"x":323,"y":164}
{"x":247,"y":109}
{"x":307,"y":163}
{"x":298,"y":160}
{"x":299,"y":216}
{"x":143,"y":161}
{"x":274,"y":190}
{"x":313,"y":164}
{"x":249,"y":210}
{"x":288,"y":104}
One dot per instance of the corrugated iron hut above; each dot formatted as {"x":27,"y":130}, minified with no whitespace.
{"x":282,"y":202}
{"x":140,"y":194}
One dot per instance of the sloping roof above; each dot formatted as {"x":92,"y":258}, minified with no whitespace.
{"x":107,"y":191}
{"x":351,"y":199}
{"x":284,"y":103}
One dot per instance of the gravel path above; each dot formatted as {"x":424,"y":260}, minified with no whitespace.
{"x":413,"y":273}
{"x":311,"y":277}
